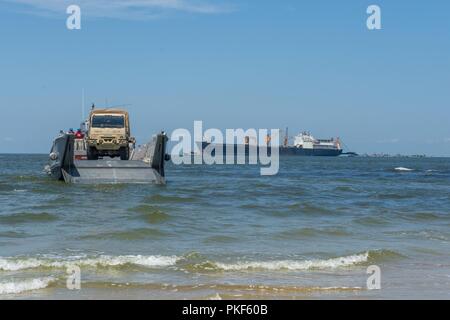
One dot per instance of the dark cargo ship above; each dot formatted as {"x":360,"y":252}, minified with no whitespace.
{"x":304,"y":145}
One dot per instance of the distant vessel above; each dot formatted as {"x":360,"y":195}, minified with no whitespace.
{"x":304,"y":145}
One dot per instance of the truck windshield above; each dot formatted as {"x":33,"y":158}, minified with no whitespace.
{"x":108,"y":121}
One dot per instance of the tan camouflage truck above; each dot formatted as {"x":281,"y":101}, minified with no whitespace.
{"x":109,"y":134}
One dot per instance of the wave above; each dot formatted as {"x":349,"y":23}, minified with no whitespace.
{"x":372,"y":221}
{"x":401,"y":194}
{"x":5,"y":187}
{"x":158,"y":198}
{"x":365,"y":258}
{"x":16,"y":264}
{"x":25,"y":285}
{"x":251,"y":206}
{"x":133,"y":234}
{"x":434,"y":235}
{"x":280,"y":265}
{"x":313,"y":232}
{"x":308,"y":208}
{"x":194,"y":262}
{"x":62,"y":200}
{"x":220,"y":239}
{"x":345,"y":188}
{"x":151,"y":214}
{"x":424,"y":215}
{"x":403,"y":169}
{"x":377,"y":256}
{"x":293,"y":265}
{"x":24,"y":217}
{"x":13,"y":234}
{"x":156,"y":217}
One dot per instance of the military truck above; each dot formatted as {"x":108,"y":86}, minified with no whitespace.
{"x":108,"y":134}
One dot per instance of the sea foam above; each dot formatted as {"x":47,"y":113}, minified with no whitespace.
{"x":403,"y":169}
{"x":25,"y":285}
{"x":184,"y":263}
{"x":15,"y":264}
{"x":297,"y":265}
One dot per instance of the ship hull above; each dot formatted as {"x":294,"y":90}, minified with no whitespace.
{"x":288,"y":151}
{"x":316,"y":152}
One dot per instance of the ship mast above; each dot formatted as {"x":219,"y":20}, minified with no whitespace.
{"x":286,"y":138}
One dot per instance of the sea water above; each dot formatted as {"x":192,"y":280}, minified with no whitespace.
{"x":225,"y":232}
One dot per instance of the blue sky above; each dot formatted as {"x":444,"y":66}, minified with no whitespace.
{"x":308,"y":65}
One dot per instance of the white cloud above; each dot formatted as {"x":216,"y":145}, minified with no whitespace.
{"x":8,"y":139}
{"x":125,"y":9}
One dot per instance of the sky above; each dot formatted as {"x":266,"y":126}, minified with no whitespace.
{"x":306,"y":65}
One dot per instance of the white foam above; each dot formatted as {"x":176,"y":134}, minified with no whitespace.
{"x":403,"y":169}
{"x":146,"y":261}
{"x":15,"y":264}
{"x":297,"y":265}
{"x":8,"y":264}
{"x":26,"y":285}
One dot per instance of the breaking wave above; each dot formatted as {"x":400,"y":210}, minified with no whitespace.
{"x":25,"y":285}
{"x":372,"y":256}
{"x":296,"y":265}
{"x":403,"y":169}
{"x":15,"y":264}
{"x":194,"y":262}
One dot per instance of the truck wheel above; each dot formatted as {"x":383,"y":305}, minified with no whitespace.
{"x":124,"y":153}
{"x":92,"y":154}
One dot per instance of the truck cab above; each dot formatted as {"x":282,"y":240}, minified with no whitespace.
{"x":109,"y":134}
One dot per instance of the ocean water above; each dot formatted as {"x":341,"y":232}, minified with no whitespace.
{"x":225,"y":232}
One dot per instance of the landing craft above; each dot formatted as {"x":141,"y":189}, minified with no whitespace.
{"x":88,"y":155}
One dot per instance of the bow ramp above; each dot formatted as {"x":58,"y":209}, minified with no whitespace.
{"x":146,"y":164}
{"x":111,"y":171}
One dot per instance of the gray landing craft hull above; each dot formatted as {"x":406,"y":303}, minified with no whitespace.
{"x":146,"y":165}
